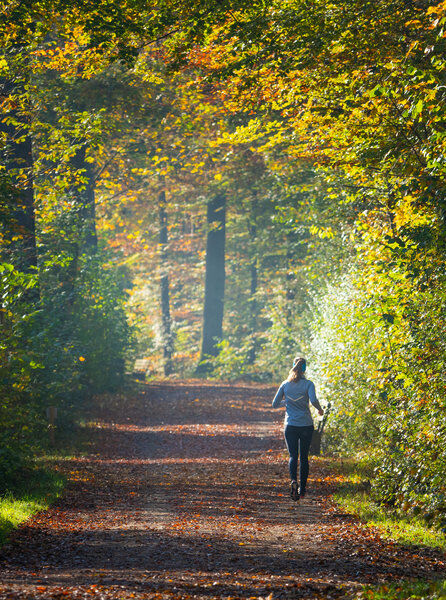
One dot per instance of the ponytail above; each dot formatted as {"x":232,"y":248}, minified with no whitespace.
{"x":297,"y":371}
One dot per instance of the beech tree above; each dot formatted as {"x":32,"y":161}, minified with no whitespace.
{"x":166,"y":333}
{"x":214,"y":287}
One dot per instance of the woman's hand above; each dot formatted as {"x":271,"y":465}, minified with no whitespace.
{"x":321,"y":412}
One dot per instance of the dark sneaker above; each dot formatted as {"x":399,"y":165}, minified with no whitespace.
{"x":302,"y":492}
{"x":294,"y":493}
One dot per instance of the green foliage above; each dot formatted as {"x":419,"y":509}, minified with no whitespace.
{"x":230,"y":364}
{"x":354,"y":495}
{"x":344,"y":347}
{"x":282,"y":341}
{"x":102,"y":333}
{"x":19,"y":369}
{"x":380,"y":361}
{"x":55,"y":352}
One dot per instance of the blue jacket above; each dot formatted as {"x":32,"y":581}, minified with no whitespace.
{"x":295,"y":396}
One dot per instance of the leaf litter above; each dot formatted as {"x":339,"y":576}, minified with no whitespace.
{"x":185,"y":495}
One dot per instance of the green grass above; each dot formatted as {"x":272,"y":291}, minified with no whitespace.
{"x":34,"y":493}
{"x":406,"y":530}
{"x":408,"y":590}
{"x":353,"y":496}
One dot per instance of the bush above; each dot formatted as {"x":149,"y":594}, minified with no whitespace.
{"x":381,"y":352}
{"x":57,"y":347}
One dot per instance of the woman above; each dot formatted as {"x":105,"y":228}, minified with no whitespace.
{"x":294,"y":394}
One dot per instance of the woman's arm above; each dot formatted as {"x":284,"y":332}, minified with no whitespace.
{"x":313,"y":399}
{"x":279,"y":399}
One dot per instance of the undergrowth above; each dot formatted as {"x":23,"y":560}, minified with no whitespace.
{"x":35,"y":490}
{"x":353,"y":495}
{"x":35,"y":485}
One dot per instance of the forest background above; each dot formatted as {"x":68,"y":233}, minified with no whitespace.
{"x":219,"y":187}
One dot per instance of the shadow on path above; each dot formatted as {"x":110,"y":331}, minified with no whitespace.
{"x":186,"y":495}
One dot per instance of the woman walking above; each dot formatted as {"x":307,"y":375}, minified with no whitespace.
{"x":295,"y":394}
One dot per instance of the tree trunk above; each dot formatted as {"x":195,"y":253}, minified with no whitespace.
{"x":214,"y":287}
{"x":166,"y":323}
{"x":253,"y":306}
{"x":85,"y":194}
{"x":85,"y":240}
{"x":290,"y":297}
{"x":17,"y":206}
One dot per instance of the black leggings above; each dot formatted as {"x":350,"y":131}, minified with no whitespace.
{"x":299,"y":438}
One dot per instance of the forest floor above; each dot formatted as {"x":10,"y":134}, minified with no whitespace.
{"x":185,"y":495}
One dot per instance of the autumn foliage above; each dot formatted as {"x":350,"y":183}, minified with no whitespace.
{"x":319,"y":126}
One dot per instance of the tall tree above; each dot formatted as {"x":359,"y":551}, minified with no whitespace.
{"x":214,"y":287}
{"x":18,"y":214}
{"x":166,"y":328}
{"x":85,"y":196}
{"x":253,"y":276}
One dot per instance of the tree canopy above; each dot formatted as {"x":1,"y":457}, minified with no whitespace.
{"x":218,"y":186}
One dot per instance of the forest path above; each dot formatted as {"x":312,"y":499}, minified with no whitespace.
{"x":185,"y":494}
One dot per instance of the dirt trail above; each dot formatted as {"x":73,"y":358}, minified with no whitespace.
{"x":186,"y":495}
